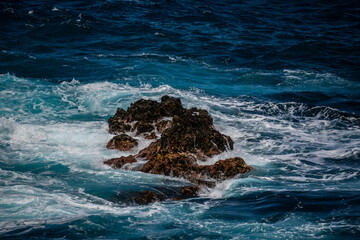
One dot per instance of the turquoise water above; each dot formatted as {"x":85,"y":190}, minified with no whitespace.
{"x":54,"y":184}
{"x":281,"y":79}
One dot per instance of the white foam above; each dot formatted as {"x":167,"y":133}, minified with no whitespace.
{"x":218,"y":191}
{"x":104,"y":97}
{"x":263,"y":133}
{"x":29,"y":206}
{"x":306,"y":79}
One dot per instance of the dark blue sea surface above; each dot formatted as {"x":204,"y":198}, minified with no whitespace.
{"x":282,"y":78}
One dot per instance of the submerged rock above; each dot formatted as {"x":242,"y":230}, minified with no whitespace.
{"x":161,"y":194}
{"x":147,"y":197}
{"x":186,"y":139}
{"x":190,"y":191}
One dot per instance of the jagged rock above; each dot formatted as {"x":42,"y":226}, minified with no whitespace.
{"x":150,"y":151}
{"x":120,"y":162}
{"x":162,"y":125}
{"x":171,"y":106}
{"x":190,"y":137}
{"x":228,"y":168}
{"x":117,"y":126}
{"x":144,"y":110}
{"x":183,"y":165}
{"x":193,"y":131}
{"x":143,"y":127}
{"x":122,"y":142}
{"x":190,"y":132}
{"x":150,"y":136}
{"x":175,"y":165}
{"x":120,"y":114}
{"x":147,"y":197}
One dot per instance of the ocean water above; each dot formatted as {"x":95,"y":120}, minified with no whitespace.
{"x":282,"y":79}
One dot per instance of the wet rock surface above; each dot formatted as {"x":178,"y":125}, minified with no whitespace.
{"x":120,"y":162}
{"x":193,"y":132}
{"x":150,"y":136}
{"x":172,"y":164}
{"x":187,"y":137}
{"x":156,"y":194}
{"x":162,"y":125}
{"x":143,"y":127}
{"x":122,"y":142}
{"x":228,"y":168}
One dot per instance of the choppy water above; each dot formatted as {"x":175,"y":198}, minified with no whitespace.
{"x":281,"y":79}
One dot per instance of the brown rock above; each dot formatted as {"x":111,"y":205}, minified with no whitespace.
{"x":188,"y":138}
{"x":162,"y":125}
{"x":179,"y":165}
{"x":193,"y":132}
{"x":150,"y":136}
{"x":171,"y":106}
{"x":228,"y":168}
{"x":117,"y":163}
{"x":143,"y":127}
{"x":122,"y":142}
{"x":175,"y":165}
{"x":118,"y":123}
{"x":183,"y":165}
{"x":119,"y":127}
{"x":121,"y":114}
{"x":150,"y":151}
{"x":144,"y":111}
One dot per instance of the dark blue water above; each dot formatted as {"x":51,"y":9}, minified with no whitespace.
{"x":281,"y":78}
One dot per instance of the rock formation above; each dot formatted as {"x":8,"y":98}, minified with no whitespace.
{"x":187,"y":137}
{"x":120,"y":162}
{"x":122,"y":142}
